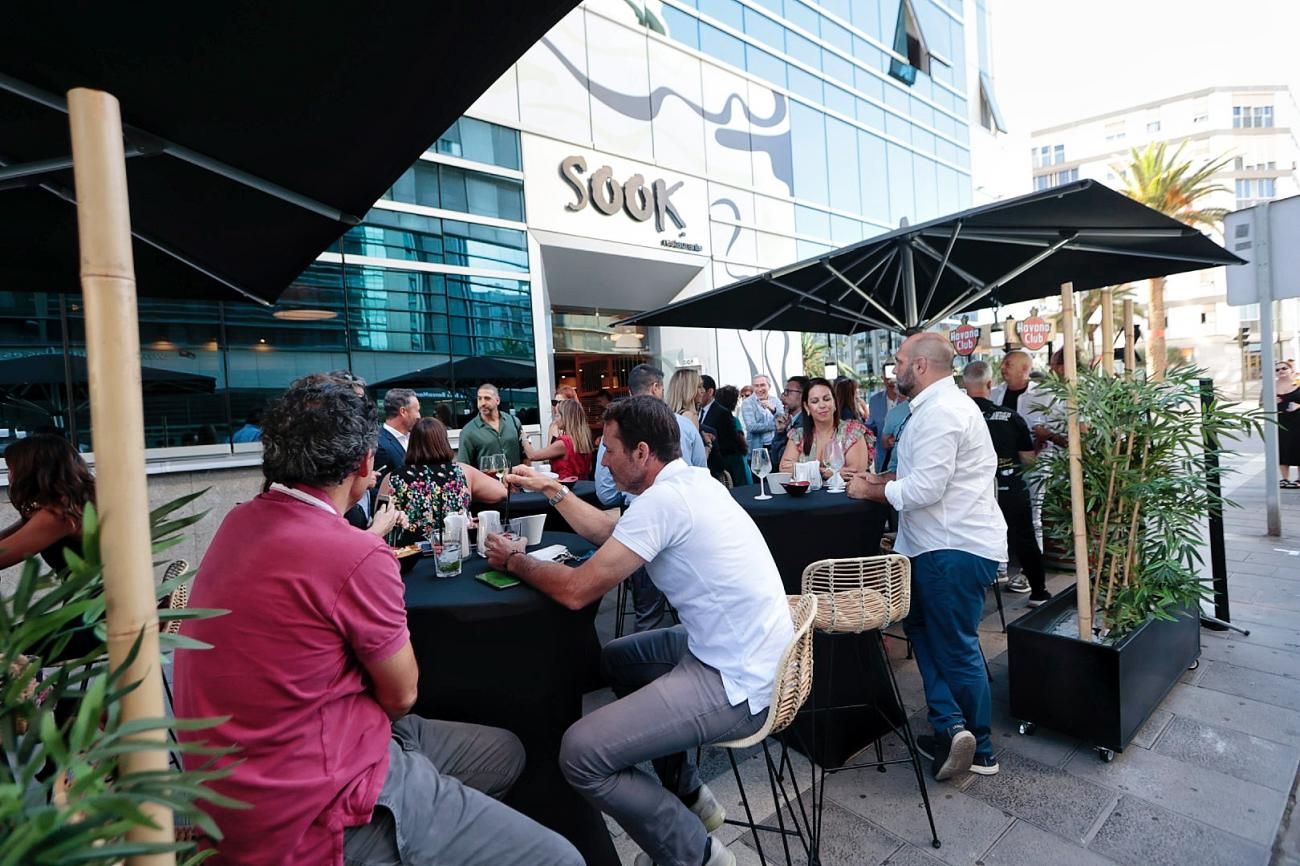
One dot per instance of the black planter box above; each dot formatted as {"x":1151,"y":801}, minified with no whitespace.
{"x":1099,"y":693}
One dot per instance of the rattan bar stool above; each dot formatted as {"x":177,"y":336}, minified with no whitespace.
{"x":793,"y":684}
{"x":857,"y":596}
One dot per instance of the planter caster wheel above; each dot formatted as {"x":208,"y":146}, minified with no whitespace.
{"x":1194,"y":665}
{"x":1027,"y":729}
{"x":1106,"y":755}
{"x":935,"y":843}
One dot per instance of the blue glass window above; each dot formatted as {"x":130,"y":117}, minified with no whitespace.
{"x":845,"y":231}
{"x":480,"y":141}
{"x":765,"y":66}
{"x":840,"y":100}
{"x":836,"y":35}
{"x":902,"y":200}
{"x":865,"y":15}
{"x":871,"y":115}
{"x":805,"y":84}
{"x":809,"y":249}
{"x":898,"y":128}
{"x":808,"y":147}
{"x":869,"y":84}
{"x":722,"y":46}
{"x":842,"y":160}
{"x":837,"y":67}
{"x":812,"y":222}
{"x":682,"y":27}
{"x":927,"y":195}
{"x":764,"y":29}
{"x":800,"y":14}
{"x":729,"y":12}
{"x":803,"y":50}
{"x":873,"y":174}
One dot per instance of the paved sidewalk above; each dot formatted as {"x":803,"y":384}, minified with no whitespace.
{"x":1209,"y":780}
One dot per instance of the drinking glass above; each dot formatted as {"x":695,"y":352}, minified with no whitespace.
{"x":761,"y":463}
{"x":448,"y":559}
{"x":835,"y":457}
{"x":487,"y":464}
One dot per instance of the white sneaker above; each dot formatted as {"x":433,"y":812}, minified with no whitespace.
{"x":709,"y":810}
{"x":1019,"y":583}
{"x":720,"y":856}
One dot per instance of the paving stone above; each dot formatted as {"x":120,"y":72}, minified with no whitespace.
{"x":1239,"y":714}
{"x":1140,"y":834}
{"x":1243,"y":808}
{"x":1044,"y":745}
{"x":1239,"y":650}
{"x":1233,"y":753}
{"x":1151,"y":728}
{"x":1249,"y":566}
{"x":1247,"y":683}
{"x":966,"y":826}
{"x":910,"y":855}
{"x":1026,"y":845}
{"x":846,"y":840}
{"x":1042,"y":794}
{"x":1262,"y":634}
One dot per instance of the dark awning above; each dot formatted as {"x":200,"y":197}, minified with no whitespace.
{"x":257,"y":133}
{"x":1013,"y":250}
{"x":465,"y":373}
{"x":48,"y":369}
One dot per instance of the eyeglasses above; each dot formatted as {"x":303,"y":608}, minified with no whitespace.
{"x":792,"y":391}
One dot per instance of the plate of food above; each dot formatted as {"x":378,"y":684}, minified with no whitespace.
{"x":412,"y":550}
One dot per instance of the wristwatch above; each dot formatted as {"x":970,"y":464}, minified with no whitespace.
{"x":555,"y":500}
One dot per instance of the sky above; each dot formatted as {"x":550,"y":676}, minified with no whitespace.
{"x":1061,"y":60}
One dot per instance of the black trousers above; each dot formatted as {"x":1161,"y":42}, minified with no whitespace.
{"x":880,"y":515}
{"x":1021,"y":541}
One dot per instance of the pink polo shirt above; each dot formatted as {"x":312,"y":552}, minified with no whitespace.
{"x":311,"y":601}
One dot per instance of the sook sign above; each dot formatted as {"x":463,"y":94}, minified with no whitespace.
{"x":634,"y":196}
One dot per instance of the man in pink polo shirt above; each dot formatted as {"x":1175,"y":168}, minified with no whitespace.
{"x":314,"y":667}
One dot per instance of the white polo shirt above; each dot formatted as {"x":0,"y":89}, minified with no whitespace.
{"x":706,"y":555}
{"x":946,"y":492}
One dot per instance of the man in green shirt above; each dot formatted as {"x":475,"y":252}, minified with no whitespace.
{"x":490,"y":432}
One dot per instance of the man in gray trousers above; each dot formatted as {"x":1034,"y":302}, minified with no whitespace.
{"x":706,"y":680}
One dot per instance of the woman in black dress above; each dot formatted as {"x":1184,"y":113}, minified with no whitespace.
{"x":1288,"y":423}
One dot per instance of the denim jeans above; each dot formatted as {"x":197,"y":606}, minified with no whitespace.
{"x":948,"y":589}
{"x":669,"y":703}
{"x":437,"y":805}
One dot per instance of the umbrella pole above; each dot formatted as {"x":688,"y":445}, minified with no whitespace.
{"x":117,"y":416}
{"x":1130,"y":351}
{"x":1083,"y":589}
{"x":1108,"y":332}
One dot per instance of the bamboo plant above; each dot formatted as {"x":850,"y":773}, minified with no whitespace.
{"x":65,"y":796}
{"x":1145,"y":467}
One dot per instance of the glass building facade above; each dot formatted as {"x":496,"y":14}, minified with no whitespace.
{"x":855,"y":114}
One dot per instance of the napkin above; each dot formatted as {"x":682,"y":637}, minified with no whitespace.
{"x":550,"y":553}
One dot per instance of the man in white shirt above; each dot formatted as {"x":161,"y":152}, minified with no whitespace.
{"x":1017,"y":391}
{"x":759,"y":412}
{"x":707,"y":680}
{"x":953,"y":531}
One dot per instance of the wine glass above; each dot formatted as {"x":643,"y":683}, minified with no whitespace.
{"x":487,"y":464}
{"x":835,"y":458}
{"x":761,"y":463}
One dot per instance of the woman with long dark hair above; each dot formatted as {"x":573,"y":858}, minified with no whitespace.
{"x":49,"y":486}
{"x":821,"y":426}
{"x":432,"y":484}
{"x":846,"y":397}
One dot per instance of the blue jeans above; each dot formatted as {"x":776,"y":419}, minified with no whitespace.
{"x":948,"y":588}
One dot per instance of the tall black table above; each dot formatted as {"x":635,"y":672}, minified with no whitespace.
{"x":848,"y":669}
{"x":517,"y":660}
{"x":524,"y":503}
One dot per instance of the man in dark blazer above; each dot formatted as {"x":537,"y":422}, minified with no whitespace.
{"x":401,"y":412}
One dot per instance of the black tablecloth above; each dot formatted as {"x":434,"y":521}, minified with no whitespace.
{"x":847,"y":669}
{"x":524,"y":503}
{"x":514,"y":659}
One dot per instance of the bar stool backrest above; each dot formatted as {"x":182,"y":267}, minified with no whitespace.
{"x":859,"y":594}
{"x":794,"y":675}
{"x":180,"y":596}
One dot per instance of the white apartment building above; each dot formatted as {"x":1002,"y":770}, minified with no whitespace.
{"x":1256,"y":128}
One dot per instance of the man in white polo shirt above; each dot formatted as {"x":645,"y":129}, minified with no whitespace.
{"x":951,"y":528}
{"x":707,"y":680}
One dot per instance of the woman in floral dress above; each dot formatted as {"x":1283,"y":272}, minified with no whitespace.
{"x":821,"y":426}
{"x":432,"y":484}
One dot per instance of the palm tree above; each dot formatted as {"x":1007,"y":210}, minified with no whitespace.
{"x":814,"y":355}
{"x":1169,"y":184}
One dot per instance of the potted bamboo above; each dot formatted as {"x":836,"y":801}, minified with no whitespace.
{"x":1095,"y":661}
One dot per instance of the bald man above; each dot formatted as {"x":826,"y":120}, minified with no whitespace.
{"x":1017,"y":390}
{"x":951,"y":528}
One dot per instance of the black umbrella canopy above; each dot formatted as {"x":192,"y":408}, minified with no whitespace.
{"x":256,"y":135}
{"x":49,"y":370}
{"x":1013,"y":250}
{"x":466,"y":372}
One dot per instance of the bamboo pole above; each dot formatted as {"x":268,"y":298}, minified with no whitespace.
{"x":1083,"y":587}
{"x":1108,"y":331}
{"x":113,"y":361}
{"x":1130,"y":351}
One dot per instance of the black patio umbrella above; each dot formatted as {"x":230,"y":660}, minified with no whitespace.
{"x":910,"y":278}
{"x":255,"y":135}
{"x":466,"y":372}
{"x":48,"y":370}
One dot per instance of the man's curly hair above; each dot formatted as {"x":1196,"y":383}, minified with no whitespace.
{"x":317,"y":433}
